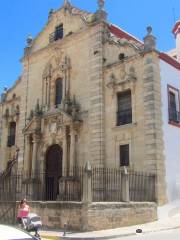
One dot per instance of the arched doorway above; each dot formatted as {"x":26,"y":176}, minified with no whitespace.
{"x":53,"y":171}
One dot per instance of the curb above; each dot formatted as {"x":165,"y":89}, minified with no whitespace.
{"x":97,"y":238}
{"x":115,"y":236}
{"x":50,"y":237}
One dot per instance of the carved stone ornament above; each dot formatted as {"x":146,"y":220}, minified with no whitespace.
{"x":66,"y":64}
{"x":56,"y":56}
{"x":149,"y":40}
{"x":53,"y":127}
{"x":47,"y":71}
{"x":112,"y":81}
{"x":123,"y":79}
{"x":101,"y":4}
{"x":100,"y":14}
{"x":67,"y":6}
{"x":122,"y":73}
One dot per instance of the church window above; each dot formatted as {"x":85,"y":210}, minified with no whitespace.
{"x":12,"y":134}
{"x":124,"y":155}
{"x":124,"y":113}
{"x":58,"y":92}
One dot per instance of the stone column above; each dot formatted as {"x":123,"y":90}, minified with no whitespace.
{"x":34,"y":155}
{"x":87,"y":188}
{"x":72,"y":150}
{"x":64,"y":164}
{"x":96,"y":113}
{"x":125,"y":186}
{"x":27,"y":152}
{"x":153,"y":133}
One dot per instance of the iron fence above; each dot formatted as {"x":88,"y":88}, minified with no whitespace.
{"x":141,"y":187}
{"x":106,"y":185}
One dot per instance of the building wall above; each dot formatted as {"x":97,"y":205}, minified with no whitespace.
{"x":178,"y":46}
{"x":13,"y":99}
{"x":170,"y":76}
{"x":93,"y":59}
{"x":144,"y":135}
{"x":91,"y":217}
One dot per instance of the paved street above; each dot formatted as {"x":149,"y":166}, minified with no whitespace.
{"x":165,"y":235}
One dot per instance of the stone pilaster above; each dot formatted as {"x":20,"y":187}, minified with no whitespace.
{"x":34,"y":155}
{"x":96,"y":112}
{"x":154,"y":159}
{"x":27,"y":154}
{"x":64,"y":164}
{"x":23,"y":114}
{"x":72,"y":150}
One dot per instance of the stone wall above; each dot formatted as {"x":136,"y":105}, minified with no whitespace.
{"x":113,"y":215}
{"x":89,"y":217}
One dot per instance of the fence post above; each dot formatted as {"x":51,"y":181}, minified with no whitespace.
{"x":125,"y":185}
{"x":87,"y":188}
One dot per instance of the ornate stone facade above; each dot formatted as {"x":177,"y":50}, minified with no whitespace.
{"x":94,"y":65}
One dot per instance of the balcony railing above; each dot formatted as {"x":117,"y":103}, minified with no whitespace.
{"x":124,"y":117}
{"x":11,"y":141}
{"x":174,"y":115}
{"x":55,"y":36}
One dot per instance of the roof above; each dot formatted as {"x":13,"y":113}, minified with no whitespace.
{"x":176,"y":28}
{"x":170,"y":60}
{"x":120,"y":33}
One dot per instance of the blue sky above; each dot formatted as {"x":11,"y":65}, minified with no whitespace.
{"x":18,"y":18}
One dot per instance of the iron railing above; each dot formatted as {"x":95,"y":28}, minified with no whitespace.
{"x":174,"y":115}
{"x":124,"y":117}
{"x":55,"y":36}
{"x":142,"y":187}
{"x":106,"y":185}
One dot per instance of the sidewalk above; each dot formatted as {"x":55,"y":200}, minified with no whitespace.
{"x":169,"y":221}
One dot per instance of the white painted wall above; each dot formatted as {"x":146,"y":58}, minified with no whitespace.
{"x":171,"y":76}
{"x":178,"y":46}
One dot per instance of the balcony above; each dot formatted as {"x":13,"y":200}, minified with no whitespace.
{"x":174,"y":116}
{"x":11,"y":141}
{"x":55,"y":36}
{"x":124,"y":117}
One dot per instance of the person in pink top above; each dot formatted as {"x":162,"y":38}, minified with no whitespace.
{"x":23,"y":210}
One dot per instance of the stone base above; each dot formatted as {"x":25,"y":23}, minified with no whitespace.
{"x":95,"y":216}
{"x":114,"y":215}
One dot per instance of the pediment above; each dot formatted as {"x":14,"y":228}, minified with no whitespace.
{"x":59,"y":116}
{"x":73,"y":21}
{"x":33,"y":125}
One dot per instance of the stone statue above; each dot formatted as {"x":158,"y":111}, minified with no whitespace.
{"x":101,"y":14}
{"x":101,"y":4}
{"x":29,"y":41}
{"x":51,"y":11}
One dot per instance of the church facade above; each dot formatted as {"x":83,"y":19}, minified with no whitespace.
{"x":89,"y":92}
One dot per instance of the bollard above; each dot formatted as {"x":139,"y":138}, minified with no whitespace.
{"x":65,"y":228}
